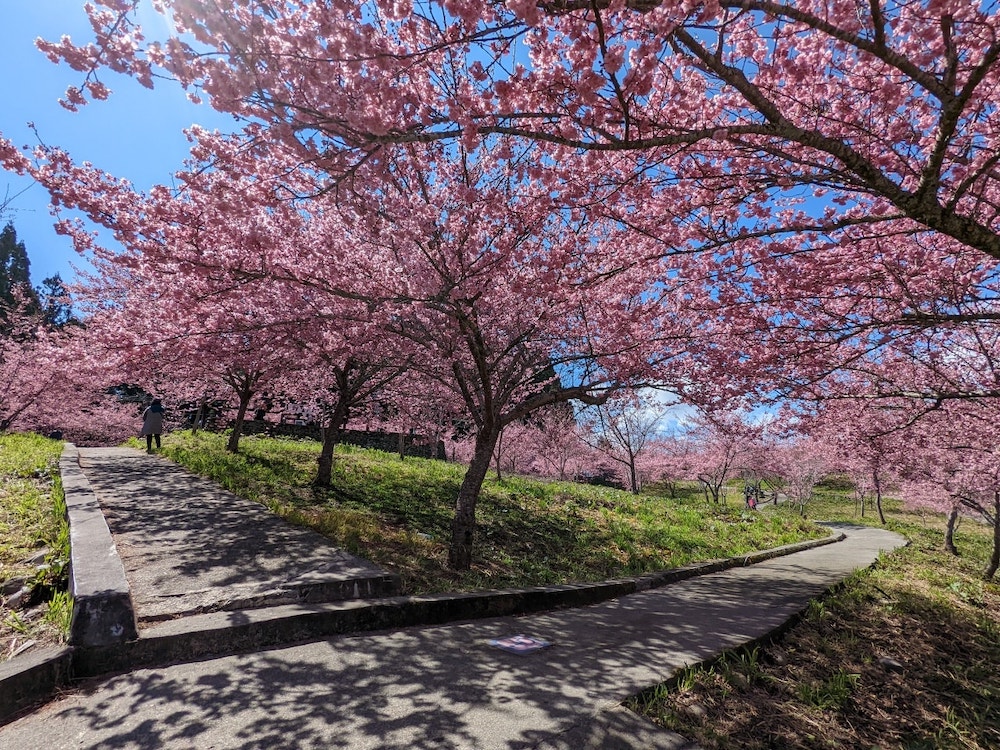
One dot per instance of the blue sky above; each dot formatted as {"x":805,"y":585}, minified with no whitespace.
{"x":136,"y":134}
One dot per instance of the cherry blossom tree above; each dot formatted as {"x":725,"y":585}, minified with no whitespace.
{"x":51,"y":382}
{"x":349,"y":384}
{"x":513,"y":451}
{"x":30,"y":367}
{"x":722,"y":445}
{"x":919,"y":334}
{"x":600,"y":77}
{"x":504,"y":296}
{"x":927,"y":488}
{"x":864,"y":437}
{"x":622,"y":429}
{"x":826,"y":169}
{"x":184,"y":334}
{"x":557,"y":443}
{"x":802,"y":463}
{"x":885,"y":106}
{"x":674,"y":458}
{"x":417,"y":409}
{"x":951,"y":465}
{"x":505,"y":299}
{"x":942,"y":458}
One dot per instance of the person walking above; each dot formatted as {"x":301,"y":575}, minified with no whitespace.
{"x":152,"y":423}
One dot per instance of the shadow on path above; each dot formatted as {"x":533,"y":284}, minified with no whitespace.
{"x":445,"y":687}
{"x":188,"y":546}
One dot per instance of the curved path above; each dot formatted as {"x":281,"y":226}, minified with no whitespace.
{"x":445,"y":686}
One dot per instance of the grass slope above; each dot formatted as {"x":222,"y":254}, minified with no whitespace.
{"x":32,"y":519}
{"x":829,"y":682}
{"x":397,"y":513}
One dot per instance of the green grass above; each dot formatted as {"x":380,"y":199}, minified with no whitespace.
{"x":822,"y":684}
{"x":32,"y":507}
{"x":33,"y":517}
{"x":397,"y":513}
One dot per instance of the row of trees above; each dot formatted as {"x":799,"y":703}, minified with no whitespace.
{"x":945,"y":462}
{"x":489,"y":209}
{"x":35,"y":324}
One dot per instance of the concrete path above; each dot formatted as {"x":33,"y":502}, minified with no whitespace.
{"x":445,"y":686}
{"x":188,"y":547}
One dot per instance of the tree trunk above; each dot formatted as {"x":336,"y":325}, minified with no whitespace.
{"x":331,"y":436}
{"x":198,"y":416}
{"x":633,"y":476}
{"x":878,"y":500}
{"x":324,"y":465}
{"x":949,"y":533}
{"x":995,"y":557}
{"x":463,"y":525}
{"x":497,"y":448}
{"x":233,"y":445}
{"x":711,"y":491}
{"x":401,"y":445}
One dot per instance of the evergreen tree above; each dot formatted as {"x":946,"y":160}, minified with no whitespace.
{"x":16,"y":291}
{"x":54,"y":300}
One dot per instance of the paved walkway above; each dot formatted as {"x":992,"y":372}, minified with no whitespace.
{"x":433,"y":687}
{"x":187,"y":546}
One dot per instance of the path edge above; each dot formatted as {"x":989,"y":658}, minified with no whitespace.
{"x":217,"y":634}
{"x":104,"y":638}
{"x":103,"y":614}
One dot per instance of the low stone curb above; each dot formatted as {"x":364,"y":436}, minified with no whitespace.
{"x":102,"y":602}
{"x":221,"y":633}
{"x":104,"y":637}
{"x":32,"y":678}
